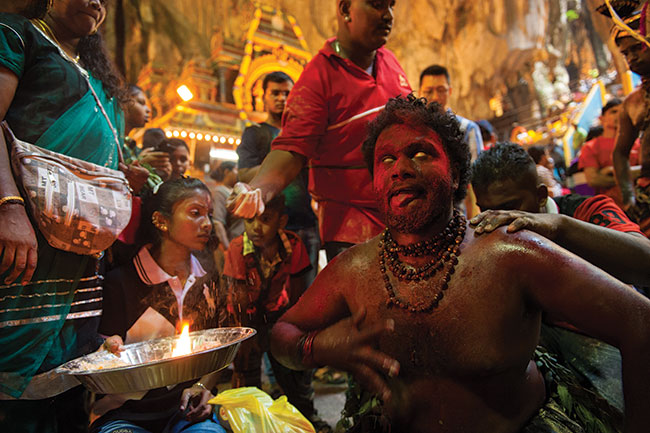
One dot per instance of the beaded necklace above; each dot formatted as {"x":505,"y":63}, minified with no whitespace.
{"x":444,"y":249}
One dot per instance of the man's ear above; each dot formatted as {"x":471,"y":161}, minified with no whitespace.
{"x":284,"y":219}
{"x":455,"y":177}
{"x":344,"y":8}
{"x":542,"y":195}
{"x":450,"y":90}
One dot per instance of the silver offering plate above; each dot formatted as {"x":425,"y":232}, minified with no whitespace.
{"x":150,"y":364}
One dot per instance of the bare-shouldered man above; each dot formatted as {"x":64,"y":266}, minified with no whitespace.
{"x":635,"y":121}
{"x":440,"y":323}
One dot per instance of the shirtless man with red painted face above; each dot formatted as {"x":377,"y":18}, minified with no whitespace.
{"x":442,"y":324}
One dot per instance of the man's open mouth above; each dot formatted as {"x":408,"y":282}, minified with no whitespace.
{"x":401,"y":197}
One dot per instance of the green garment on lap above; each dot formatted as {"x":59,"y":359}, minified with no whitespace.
{"x":52,"y":108}
{"x":571,"y":407}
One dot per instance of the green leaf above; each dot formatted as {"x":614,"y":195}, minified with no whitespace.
{"x":572,"y":15}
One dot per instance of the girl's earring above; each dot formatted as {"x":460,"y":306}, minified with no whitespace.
{"x":346,"y":18}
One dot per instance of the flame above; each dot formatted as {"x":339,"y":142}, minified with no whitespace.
{"x":183,"y":343}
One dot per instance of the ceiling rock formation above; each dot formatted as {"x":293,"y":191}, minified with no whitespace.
{"x":490,"y":47}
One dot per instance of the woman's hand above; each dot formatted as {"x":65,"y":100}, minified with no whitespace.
{"x":348,"y":345}
{"x":135,"y":174}
{"x":18,"y":244}
{"x":195,"y":400}
{"x":113,"y":344}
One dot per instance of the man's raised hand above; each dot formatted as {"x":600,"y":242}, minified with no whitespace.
{"x":349,"y":345}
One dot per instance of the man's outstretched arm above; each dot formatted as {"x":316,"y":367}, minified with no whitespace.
{"x":624,"y":255}
{"x":278,"y":169}
{"x":321,"y":330}
{"x":627,"y":133}
{"x":568,"y":287}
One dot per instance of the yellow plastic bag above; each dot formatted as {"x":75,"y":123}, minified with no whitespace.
{"x":251,"y":410}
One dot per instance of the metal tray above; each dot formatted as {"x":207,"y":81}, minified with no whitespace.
{"x":149,"y":364}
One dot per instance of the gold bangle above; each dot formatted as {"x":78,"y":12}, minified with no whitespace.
{"x":12,"y":199}
{"x":200,"y":385}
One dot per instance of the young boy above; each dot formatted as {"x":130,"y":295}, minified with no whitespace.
{"x":264,"y":271}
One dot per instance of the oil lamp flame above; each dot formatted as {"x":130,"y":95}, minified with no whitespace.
{"x":183,"y":343}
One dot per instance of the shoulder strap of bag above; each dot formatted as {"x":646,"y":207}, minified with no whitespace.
{"x":84,"y":73}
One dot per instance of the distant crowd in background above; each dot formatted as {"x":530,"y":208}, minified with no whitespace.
{"x":351,"y":161}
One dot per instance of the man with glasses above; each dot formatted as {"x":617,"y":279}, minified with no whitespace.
{"x":435,"y":85}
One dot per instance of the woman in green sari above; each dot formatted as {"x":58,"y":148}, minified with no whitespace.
{"x":50,"y":300}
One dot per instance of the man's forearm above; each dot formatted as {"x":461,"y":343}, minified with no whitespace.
{"x":247,"y":174}
{"x":622,"y":172}
{"x":277,"y":171}
{"x":623,"y":255}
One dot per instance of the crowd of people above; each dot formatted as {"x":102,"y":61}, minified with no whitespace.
{"x":531,"y":316}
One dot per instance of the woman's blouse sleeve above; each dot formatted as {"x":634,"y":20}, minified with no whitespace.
{"x":12,"y":45}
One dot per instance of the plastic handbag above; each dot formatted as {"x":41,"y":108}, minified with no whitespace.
{"x":251,"y":410}
{"x":78,"y":206}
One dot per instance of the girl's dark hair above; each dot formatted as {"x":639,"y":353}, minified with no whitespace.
{"x":175,"y":143}
{"x":94,"y":57}
{"x":163,"y":201}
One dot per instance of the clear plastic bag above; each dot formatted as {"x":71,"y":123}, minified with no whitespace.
{"x":251,"y":410}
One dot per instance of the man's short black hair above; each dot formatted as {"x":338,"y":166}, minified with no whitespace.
{"x":152,"y":137}
{"x":275,"y":77}
{"x":537,"y":153}
{"x":435,"y":70}
{"x":503,"y":161}
{"x":417,"y":111}
{"x":219,"y":173}
{"x":614,"y":102}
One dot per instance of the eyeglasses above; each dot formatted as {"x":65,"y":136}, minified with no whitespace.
{"x":440,"y":90}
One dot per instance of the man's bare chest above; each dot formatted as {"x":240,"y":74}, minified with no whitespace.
{"x":477,"y":326}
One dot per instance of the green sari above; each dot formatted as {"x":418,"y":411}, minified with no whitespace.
{"x":54,"y":317}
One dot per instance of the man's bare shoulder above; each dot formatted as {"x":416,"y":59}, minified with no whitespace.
{"x":352,"y":264}
{"x":357,"y":257}
{"x":509,"y":249}
{"x":632,"y":100}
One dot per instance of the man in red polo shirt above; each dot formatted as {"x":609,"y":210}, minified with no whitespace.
{"x":596,"y":155}
{"x":343,"y":88}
